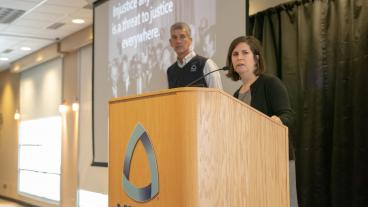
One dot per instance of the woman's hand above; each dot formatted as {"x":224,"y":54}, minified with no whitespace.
{"x":277,"y":119}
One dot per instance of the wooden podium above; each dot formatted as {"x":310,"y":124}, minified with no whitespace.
{"x":210,"y":150}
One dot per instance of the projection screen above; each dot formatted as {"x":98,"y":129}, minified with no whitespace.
{"x":132,"y":50}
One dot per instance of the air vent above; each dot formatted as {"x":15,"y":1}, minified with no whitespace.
{"x":8,"y":15}
{"x":88,"y":6}
{"x":56,"y":25}
{"x":7,"y":51}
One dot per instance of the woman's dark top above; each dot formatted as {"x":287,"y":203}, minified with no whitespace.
{"x":269,"y":96}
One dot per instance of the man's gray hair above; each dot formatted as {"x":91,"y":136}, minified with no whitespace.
{"x":181,"y":26}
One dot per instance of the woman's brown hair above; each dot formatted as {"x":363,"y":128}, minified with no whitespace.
{"x":255,"y":47}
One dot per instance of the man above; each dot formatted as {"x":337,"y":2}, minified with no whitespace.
{"x":189,"y":66}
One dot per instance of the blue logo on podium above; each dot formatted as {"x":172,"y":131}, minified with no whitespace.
{"x":150,"y":191}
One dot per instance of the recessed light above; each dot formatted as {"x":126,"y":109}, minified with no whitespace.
{"x":16,"y":68}
{"x":25,"y":48}
{"x":39,"y":58}
{"x":78,"y":21}
{"x":4,"y":58}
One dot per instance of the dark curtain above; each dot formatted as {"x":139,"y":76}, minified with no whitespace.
{"x":319,"y":49}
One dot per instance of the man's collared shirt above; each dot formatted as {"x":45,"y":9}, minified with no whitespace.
{"x":213,"y":80}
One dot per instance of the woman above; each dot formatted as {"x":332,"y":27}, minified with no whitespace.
{"x":264,"y":92}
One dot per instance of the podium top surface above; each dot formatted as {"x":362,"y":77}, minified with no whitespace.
{"x":186,"y":90}
{"x":168,"y":91}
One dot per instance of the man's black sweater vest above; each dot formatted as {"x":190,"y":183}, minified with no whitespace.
{"x":180,"y":77}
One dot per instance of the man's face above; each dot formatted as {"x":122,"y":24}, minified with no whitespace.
{"x":180,"y":42}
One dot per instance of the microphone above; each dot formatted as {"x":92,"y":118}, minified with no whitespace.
{"x":203,"y":76}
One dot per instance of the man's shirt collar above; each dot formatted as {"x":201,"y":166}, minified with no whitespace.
{"x":186,"y":59}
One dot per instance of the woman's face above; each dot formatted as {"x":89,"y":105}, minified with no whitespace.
{"x":242,"y":59}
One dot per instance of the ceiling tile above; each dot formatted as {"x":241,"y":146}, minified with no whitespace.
{"x":41,"y":16}
{"x":7,"y":43}
{"x":30,"y":29}
{"x":33,"y":23}
{"x":17,"y":4}
{"x":84,"y":13}
{"x":74,"y":3}
{"x":3,"y":26}
{"x":56,"y":9}
{"x":31,"y":32}
{"x":36,"y":1}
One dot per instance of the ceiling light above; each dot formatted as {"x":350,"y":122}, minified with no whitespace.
{"x":78,"y":21}
{"x":63,"y":108}
{"x":39,"y":58}
{"x":75,"y":106}
{"x":25,"y":48}
{"x":4,"y":58}
{"x":16,"y":68}
{"x":16,"y":115}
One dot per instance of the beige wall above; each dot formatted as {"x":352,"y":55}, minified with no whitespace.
{"x":69,"y":149}
{"x":9,"y":102}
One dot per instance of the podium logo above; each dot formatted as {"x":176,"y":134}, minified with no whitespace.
{"x":151,"y":190}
